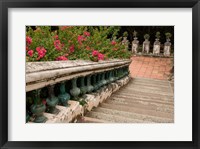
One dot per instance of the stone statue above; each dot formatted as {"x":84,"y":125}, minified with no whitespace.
{"x":146,"y":44}
{"x":156,"y":45}
{"x":167,"y":48}
{"x":135,"y":43}
{"x":167,"y":45}
{"x":125,"y":42}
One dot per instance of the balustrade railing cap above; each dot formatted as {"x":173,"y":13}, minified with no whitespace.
{"x":50,"y":65}
{"x":41,"y":74}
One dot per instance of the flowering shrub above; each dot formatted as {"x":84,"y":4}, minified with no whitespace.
{"x":74,"y":42}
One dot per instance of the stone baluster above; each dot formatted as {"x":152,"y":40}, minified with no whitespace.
{"x":52,"y":100}
{"x":95,"y":85}
{"x":75,"y":91}
{"x":107,"y":76}
{"x":115,"y":74}
{"x":124,"y":71}
{"x":121,"y":72}
{"x":83,"y":88}
{"x":63,"y":97}
{"x":90,"y":88}
{"x":112,"y":76}
{"x":98,"y":80}
{"x":38,"y":108}
{"x":103,"y":79}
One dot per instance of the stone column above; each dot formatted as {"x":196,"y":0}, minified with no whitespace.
{"x":167,"y":48}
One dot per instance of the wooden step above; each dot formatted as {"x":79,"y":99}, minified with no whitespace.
{"x":112,"y":118}
{"x":138,"y":110}
{"x":148,"y":85}
{"x":142,"y":105}
{"x":149,"y":80}
{"x":144,"y":94}
{"x":143,"y":118}
{"x":144,"y":98}
{"x":146,"y":91}
{"x":86,"y":119}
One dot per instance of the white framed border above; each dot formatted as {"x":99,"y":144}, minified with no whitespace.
{"x":180,"y":18}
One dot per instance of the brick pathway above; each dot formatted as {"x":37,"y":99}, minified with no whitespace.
{"x":150,"y":67}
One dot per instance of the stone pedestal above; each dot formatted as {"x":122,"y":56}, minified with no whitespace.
{"x":135,"y":45}
{"x":167,"y":48}
{"x":146,"y":46}
{"x":156,"y":47}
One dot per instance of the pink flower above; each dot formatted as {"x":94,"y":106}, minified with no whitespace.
{"x":71,"y":48}
{"x":30,"y":53}
{"x":100,"y":56}
{"x":113,"y":42}
{"x":95,"y":52}
{"x":28,"y":40}
{"x":61,"y":58}
{"x":27,"y":48}
{"x":66,"y":54}
{"x":86,"y":33}
{"x":63,"y":27}
{"x":56,"y":37}
{"x":41,"y":52}
{"x":57,"y":45}
{"x":80,"y":39}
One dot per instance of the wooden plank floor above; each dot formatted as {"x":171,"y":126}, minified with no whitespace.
{"x":142,"y":100}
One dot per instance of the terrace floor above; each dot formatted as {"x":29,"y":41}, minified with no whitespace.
{"x":151,"y":67}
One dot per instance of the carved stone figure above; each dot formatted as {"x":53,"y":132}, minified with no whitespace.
{"x":146,"y":46}
{"x":125,"y":42}
{"x":167,"y":48}
{"x":156,"y":47}
{"x":135,"y":45}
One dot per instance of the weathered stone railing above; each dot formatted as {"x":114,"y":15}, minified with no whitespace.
{"x":66,"y":89}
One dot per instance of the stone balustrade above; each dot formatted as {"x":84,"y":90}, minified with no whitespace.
{"x":61,"y":91}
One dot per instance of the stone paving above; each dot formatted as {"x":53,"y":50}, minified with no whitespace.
{"x":151,"y":67}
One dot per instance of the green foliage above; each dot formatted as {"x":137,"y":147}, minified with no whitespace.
{"x":82,"y":102}
{"x":168,"y":35}
{"x":125,"y":34}
{"x":74,"y":42}
{"x":158,"y":35}
{"x":146,"y":36}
